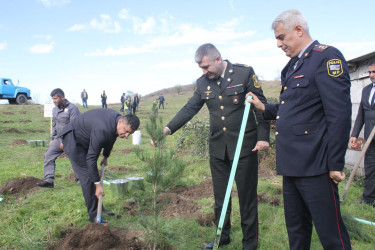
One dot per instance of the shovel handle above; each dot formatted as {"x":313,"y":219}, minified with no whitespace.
{"x":98,"y":218}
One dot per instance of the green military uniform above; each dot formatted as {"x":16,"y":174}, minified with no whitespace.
{"x":225,"y":99}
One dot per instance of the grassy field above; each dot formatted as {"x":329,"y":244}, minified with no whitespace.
{"x":34,"y":220}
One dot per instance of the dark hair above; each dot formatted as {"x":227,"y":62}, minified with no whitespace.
{"x":371,"y":63}
{"x":57,"y":92}
{"x":131,"y":120}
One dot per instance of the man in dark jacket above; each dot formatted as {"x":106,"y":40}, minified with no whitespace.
{"x":63,"y":113}
{"x":83,"y":141}
{"x":366,"y":116}
{"x":161,"y":101}
{"x":313,"y":122}
{"x":223,"y":88}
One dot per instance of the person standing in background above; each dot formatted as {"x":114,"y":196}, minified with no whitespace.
{"x":161,"y":101}
{"x":84,"y":97}
{"x":104,"y":99}
{"x":122,"y":102}
{"x":135,"y":103}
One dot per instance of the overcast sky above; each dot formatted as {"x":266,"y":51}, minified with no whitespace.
{"x":144,"y":46}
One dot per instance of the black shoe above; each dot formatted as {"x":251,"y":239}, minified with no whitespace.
{"x":101,"y":222}
{"x":109,"y":213}
{"x":45,"y":184}
{"x":366,"y":202}
{"x":211,"y":244}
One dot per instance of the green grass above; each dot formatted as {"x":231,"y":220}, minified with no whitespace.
{"x":35,"y":220}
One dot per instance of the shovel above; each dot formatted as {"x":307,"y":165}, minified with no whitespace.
{"x":350,"y":180}
{"x":232,"y":173}
{"x":98,"y":218}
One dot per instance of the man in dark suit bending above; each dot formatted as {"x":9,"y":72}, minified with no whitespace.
{"x":366,"y":116}
{"x":83,"y":141}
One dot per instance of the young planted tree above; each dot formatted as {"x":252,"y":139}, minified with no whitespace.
{"x":163,"y":171}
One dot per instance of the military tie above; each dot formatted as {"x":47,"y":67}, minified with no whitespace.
{"x":293,"y":62}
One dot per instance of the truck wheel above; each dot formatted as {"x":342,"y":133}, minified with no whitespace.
{"x":21,"y":99}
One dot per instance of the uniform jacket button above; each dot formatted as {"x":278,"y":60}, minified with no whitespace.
{"x":223,"y":118}
{"x":276,"y":133}
{"x":282,"y":102}
{"x":277,"y":117}
{"x":306,"y":132}
{"x":285,"y":88}
{"x":221,"y":107}
{"x":220,"y":97}
{"x":224,"y":129}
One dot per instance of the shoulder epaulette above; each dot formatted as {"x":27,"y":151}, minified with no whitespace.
{"x":320,"y":47}
{"x":241,"y":65}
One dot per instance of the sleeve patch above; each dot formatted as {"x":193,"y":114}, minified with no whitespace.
{"x":334,"y":67}
{"x":256,"y":81}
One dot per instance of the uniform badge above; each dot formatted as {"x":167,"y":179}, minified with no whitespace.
{"x":235,"y":99}
{"x":334,"y":67}
{"x":231,"y":71}
{"x":208,"y":92}
{"x":256,"y":81}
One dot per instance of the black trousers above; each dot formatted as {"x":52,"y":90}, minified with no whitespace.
{"x":313,"y":199}
{"x":369,"y":190}
{"x":77,"y":156}
{"x":247,"y":181}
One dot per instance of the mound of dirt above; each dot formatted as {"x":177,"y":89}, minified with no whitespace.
{"x":14,"y":130}
{"x":6,"y":121}
{"x":265,"y":198}
{"x":8,"y":113}
{"x":18,"y":142}
{"x":25,"y":121}
{"x":35,"y":130}
{"x":96,"y":236}
{"x":182,"y":203}
{"x":71,"y":177}
{"x":19,"y":185}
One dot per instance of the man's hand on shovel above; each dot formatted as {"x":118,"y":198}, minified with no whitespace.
{"x":99,"y":190}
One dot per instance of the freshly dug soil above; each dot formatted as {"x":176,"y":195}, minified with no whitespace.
{"x":25,"y":121}
{"x":98,"y":237}
{"x":14,"y":130}
{"x":18,"y":142}
{"x":182,"y":203}
{"x":19,"y":185}
{"x":71,"y":177}
{"x":35,"y":130}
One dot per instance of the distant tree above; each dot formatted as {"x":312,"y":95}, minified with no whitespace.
{"x":178,"y":89}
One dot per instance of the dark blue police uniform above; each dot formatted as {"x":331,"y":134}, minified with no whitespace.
{"x":313,"y":120}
